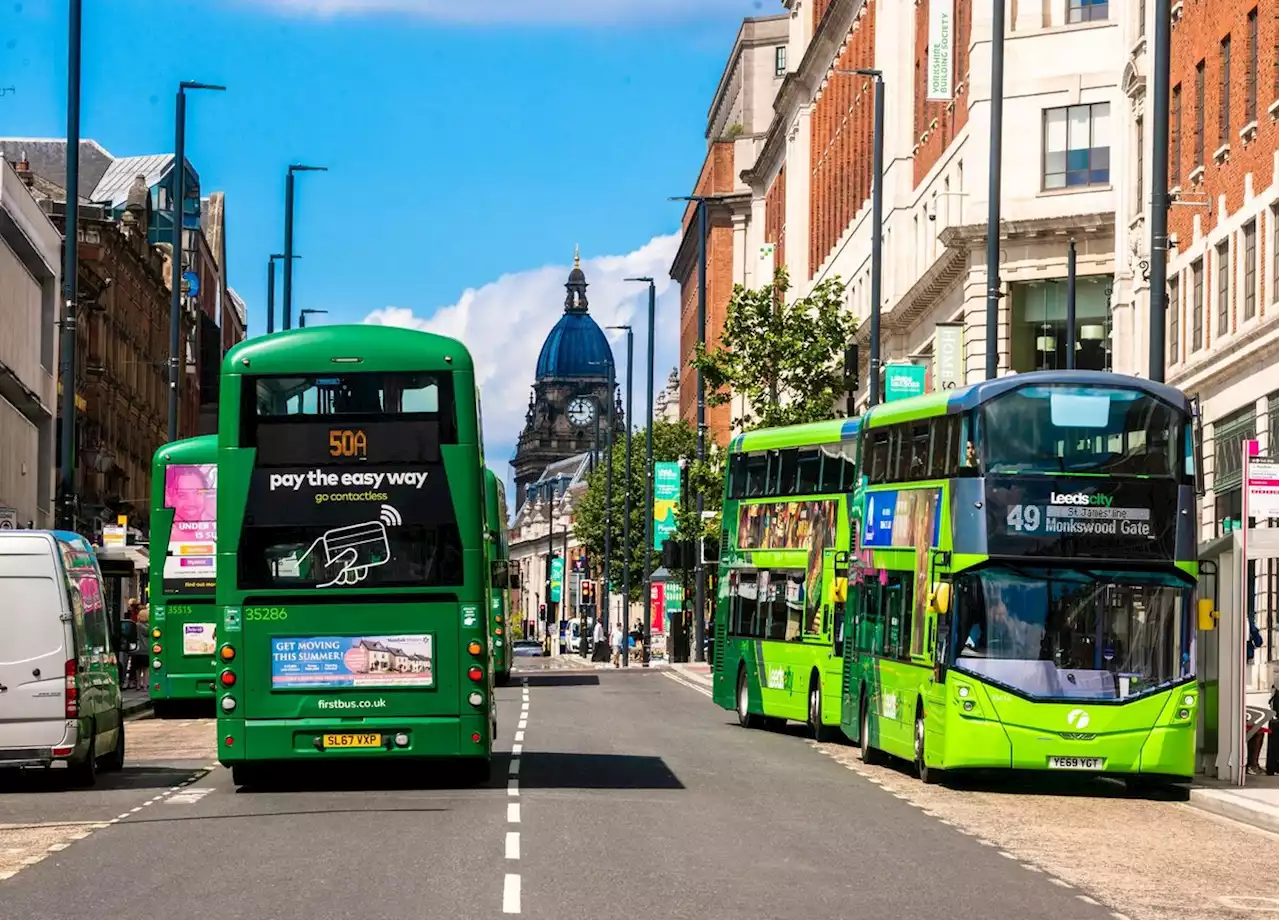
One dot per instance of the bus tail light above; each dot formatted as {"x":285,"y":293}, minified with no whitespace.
{"x":476,"y":698}
{"x":155,"y":633}
{"x":228,"y":678}
{"x":155,"y":649}
{"x":72,"y":692}
{"x":228,"y":703}
{"x":474,"y":647}
{"x":227,"y":653}
{"x":498,"y":630}
{"x":475,"y":673}
{"x":475,"y":736}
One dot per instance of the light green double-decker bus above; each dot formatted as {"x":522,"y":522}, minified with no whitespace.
{"x":781,"y":575}
{"x":352,"y":566}
{"x":184,"y":616}
{"x":1021,"y":579}
{"x":495,"y":497}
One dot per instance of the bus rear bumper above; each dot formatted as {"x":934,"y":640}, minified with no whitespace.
{"x":182,"y":686}
{"x":241,"y":740}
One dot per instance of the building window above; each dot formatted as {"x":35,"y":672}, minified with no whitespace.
{"x":1175,"y":314}
{"x":1175,"y":147}
{"x":1223,"y":253}
{"x":1224,"y":94}
{"x":1198,"y":142}
{"x":1197,"y":305}
{"x":1250,"y":269}
{"x":1140,"y":179}
{"x":1229,"y":434}
{"x":1086,"y":10}
{"x":1251,"y":70}
{"x":1039,"y":336}
{"x":1076,"y":146}
{"x":780,"y":60}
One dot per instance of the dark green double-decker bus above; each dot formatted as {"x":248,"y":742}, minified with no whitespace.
{"x":352,"y":568}
{"x":1021,"y":579}
{"x":499,"y":556}
{"x":184,"y":616}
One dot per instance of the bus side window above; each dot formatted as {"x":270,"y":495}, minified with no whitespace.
{"x":757,"y":471}
{"x":738,"y":476}
{"x":897,"y":614}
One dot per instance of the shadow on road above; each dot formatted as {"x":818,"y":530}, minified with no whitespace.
{"x":561,"y":680}
{"x":371,"y":777}
{"x":57,"y":780}
{"x":546,"y":770}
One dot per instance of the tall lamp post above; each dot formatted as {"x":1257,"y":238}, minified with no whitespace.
{"x":271,"y":290}
{"x":877,"y":228}
{"x":648,"y":476}
{"x":608,"y":500}
{"x":179,"y":219}
{"x":288,"y":236}
{"x":302,"y":317}
{"x":69,"y":501}
{"x":700,"y":574}
{"x":626,"y":504}
{"x":993,"y":188}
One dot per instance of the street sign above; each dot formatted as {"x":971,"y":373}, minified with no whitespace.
{"x":904,"y":380}
{"x":8,"y":518}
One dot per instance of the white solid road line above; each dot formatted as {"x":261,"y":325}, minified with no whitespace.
{"x":511,"y":894}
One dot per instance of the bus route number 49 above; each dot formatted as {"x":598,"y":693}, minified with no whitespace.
{"x":1023,"y":518}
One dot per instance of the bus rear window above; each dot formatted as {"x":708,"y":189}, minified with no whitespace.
{"x":1079,"y":429}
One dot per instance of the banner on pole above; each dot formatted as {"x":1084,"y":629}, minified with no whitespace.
{"x":948,"y":355}
{"x":666,"y":498}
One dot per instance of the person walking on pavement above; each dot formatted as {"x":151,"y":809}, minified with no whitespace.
{"x":597,"y":641}
{"x":138,"y":657}
{"x":129,"y":640}
{"x":616,"y":640}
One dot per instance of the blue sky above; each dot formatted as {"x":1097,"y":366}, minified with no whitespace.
{"x":471,"y":144}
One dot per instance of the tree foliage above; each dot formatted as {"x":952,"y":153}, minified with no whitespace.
{"x":671,"y":441}
{"x":786,"y":359}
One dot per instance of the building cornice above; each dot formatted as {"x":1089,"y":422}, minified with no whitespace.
{"x":974,"y":236}
{"x":751,"y":34}
{"x":722,"y":208}
{"x":800,"y":86}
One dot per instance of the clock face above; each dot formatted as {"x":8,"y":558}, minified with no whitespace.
{"x":582,"y":411}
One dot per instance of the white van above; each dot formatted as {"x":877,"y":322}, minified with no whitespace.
{"x":59,"y":676}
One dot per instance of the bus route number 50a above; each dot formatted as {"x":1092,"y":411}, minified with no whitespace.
{"x":1024,"y":518}
{"x":345,"y":442}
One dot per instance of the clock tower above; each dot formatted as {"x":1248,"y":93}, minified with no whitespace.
{"x":569,"y":404}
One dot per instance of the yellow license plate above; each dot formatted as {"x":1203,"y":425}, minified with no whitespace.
{"x":352,"y":741}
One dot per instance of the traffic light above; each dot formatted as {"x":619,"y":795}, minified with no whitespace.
{"x":542,"y":612}
{"x":588,"y":593}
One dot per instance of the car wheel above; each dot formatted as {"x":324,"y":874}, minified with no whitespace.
{"x":85,"y":773}
{"x":115,"y":760}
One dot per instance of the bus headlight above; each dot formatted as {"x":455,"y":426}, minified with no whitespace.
{"x":476,"y":698}
{"x":228,"y":703}
{"x":1188,"y":700}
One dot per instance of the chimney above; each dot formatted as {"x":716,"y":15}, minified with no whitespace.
{"x":23,"y":169}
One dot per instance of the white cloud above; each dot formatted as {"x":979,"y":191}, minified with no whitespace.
{"x":505,"y":322}
{"x":536,"y":11}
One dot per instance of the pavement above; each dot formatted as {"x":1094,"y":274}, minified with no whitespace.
{"x":613,"y":791}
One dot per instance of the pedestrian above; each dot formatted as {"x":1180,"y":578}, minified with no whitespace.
{"x":128,"y":641}
{"x":597,"y":641}
{"x":139,"y":656}
{"x":616,"y":640}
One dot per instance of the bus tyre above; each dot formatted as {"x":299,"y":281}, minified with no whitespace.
{"x":162,"y":709}
{"x":745,"y":718}
{"x":866,"y":752}
{"x":243,"y":774}
{"x":819,"y":731}
{"x":85,"y":773}
{"x":115,"y":760}
{"x":927,"y":775}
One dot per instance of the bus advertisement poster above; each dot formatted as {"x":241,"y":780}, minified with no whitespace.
{"x":895,"y":518}
{"x":191,"y":490}
{"x":359,"y":662}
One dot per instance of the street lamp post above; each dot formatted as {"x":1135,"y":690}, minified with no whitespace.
{"x":993,"y":188}
{"x":1158,"y":297}
{"x":71,"y":260}
{"x":877,"y":228}
{"x":626,"y":504}
{"x":288,"y":237}
{"x":608,"y":502}
{"x":648,"y":479}
{"x":302,"y":316}
{"x":700,"y":574}
{"x":271,"y":290}
{"x":179,"y":205}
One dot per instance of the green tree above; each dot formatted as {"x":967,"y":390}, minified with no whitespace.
{"x":671,"y":441}
{"x":786,"y":359}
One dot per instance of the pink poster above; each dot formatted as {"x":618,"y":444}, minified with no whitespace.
{"x":191,"y":490}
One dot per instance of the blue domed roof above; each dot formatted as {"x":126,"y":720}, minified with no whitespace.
{"x":576,"y":347}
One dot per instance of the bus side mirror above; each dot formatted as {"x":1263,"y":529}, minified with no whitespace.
{"x":841,"y":590}
{"x":1208,"y":617}
{"x":940,"y":599}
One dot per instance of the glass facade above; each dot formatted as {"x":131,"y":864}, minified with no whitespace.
{"x":1039,"y":324}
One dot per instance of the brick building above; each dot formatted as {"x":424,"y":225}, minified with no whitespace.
{"x":740,"y":114}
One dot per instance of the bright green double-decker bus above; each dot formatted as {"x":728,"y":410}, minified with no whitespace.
{"x":781,"y":575}
{"x":352,"y":568}
{"x":1022,"y":576}
{"x":184,"y":617}
{"x":495,"y":497}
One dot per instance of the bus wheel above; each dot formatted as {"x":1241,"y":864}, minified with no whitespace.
{"x":745,"y":718}
{"x":866,"y":752}
{"x":243,"y":774}
{"x":928,"y":776}
{"x":162,"y":709}
{"x":819,"y":731}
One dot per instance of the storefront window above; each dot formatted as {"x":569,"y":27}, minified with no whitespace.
{"x":1039,"y":335}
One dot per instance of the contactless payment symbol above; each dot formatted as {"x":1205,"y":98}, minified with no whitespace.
{"x":470,"y":616}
